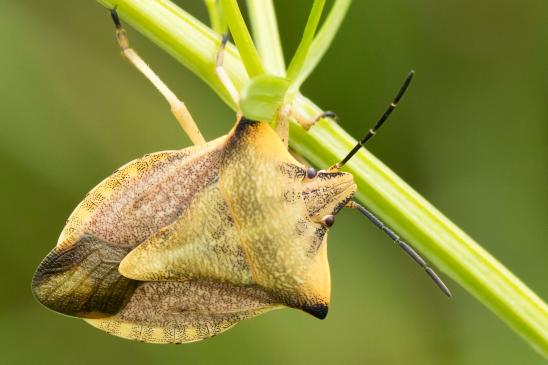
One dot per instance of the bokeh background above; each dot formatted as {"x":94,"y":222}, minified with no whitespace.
{"x":471,"y":136}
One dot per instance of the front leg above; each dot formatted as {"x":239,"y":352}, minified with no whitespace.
{"x":307,"y":123}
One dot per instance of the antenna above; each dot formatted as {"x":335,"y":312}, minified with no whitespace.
{"x":403,"y":245}
{"x":379,"y":123}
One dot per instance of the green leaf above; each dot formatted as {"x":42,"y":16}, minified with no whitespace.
{"x":263,"y":96}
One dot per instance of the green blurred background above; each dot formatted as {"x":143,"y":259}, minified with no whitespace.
{"x":471,"y":136}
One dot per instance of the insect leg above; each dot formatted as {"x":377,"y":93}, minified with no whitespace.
{"x":221,"y":72}
{"x":286,"y":111}
{"x":282,"y":123}
{"x":307,"y":123}
{"x":403,"y":245}
{"x":178,"y":108}
{"x":328,"y":114}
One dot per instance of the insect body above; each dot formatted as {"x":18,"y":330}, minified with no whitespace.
{"x":174,"y":248}
{"x":181,"y":245}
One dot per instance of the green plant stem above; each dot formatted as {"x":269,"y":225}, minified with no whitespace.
{"x":266,"y":35}
{"x":215,"y":16}
{"x":447,"y":246}
{"x":242,"y":38}
{"x":323,"y":38}
{"x":299,"y":58}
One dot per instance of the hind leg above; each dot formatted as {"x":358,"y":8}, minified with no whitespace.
{"x":178,"y":108}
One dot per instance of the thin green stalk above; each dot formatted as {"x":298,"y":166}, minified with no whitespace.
{"x":266,"y":35}
{"x":323,"y":38}
{"x":242,"y":38}
{"x":447,"y":246}
{"x":215,"y":16}
{"x":299,"y":58}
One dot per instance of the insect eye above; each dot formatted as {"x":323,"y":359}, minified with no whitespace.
{"x":311,"y":173}
{"x":328,"y":220}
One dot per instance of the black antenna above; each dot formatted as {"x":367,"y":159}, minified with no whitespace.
{"x":380,"y":122}
{"x":408,"y":249}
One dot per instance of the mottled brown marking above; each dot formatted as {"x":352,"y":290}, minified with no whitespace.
{"x":202,"y":243}
{"x":327,"y":193}
{"x":317,"y":239}
{"x":164,"y":182}
{"x":171,"y":312}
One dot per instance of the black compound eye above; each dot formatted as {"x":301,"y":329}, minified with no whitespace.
{"x":311,"y":173}
{"x":328,"y":220}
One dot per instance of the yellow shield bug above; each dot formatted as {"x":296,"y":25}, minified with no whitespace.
{"x":178,"y":246}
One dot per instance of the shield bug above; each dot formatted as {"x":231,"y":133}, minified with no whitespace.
{"x":178,"y":246}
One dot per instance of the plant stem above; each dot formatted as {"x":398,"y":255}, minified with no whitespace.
{"x":323,"y":38}
{"x":242,"y":38}
{"x":299,"y":58}
{"x":382,"y":191}
{"x":215,"y":16}
{"x":266,"y":36}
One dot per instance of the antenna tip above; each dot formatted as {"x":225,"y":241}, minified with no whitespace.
{"x":410,"y":75}
{"x":447,"y":292}
{"x":438,"y":281}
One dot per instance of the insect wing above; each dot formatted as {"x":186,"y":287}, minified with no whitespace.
{"x":80,"y":275}
{"x":202,"y":243}
{"x":187,"y":311}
